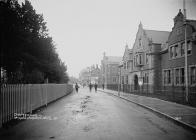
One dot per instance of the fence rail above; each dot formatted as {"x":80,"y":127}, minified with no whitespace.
{"x":25,"y":98}
{"x":170,"y":93}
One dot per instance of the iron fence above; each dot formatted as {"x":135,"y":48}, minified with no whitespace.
{"x":169,"y":93}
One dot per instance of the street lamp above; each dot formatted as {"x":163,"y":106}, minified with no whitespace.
{"x":185,"y":54}
{"x":119,"y":79}
{"x":140,"y":81}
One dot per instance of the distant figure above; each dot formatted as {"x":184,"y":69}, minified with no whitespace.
{"x":76,"y":87}
{"x":95,"y":87}
{"x":103,"y":86}
{"x":90,"y":87}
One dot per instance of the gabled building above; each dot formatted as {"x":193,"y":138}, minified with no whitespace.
{"x":145,"y":68}
{"x":124,"y":69}
{"x":109,"y":70}
{"x":173,"y":56}
{"x":127,"y":66}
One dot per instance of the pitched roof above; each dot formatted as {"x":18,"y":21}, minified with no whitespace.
{"x":157,"y":37}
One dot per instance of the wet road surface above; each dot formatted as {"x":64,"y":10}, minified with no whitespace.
{"x":95,"y":116}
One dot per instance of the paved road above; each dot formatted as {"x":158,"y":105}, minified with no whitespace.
{"x":96,"y":116}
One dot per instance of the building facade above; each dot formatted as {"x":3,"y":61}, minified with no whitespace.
{"x":109,"y":70}
{"x":156,"y":62}
{"x":173,"y":56}
{"x":90,"y":75}
{"x":141,"y":64}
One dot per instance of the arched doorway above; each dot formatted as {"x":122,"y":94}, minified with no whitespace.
{"x":136,"y":85}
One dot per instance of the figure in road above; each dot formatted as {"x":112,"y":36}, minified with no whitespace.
{"x":95,"y":86}
{"x":103,"y":86}
{"x":90,"y":87}
{"x":76,"y":87}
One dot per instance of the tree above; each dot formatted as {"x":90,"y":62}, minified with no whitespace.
{"x":28,"y":53}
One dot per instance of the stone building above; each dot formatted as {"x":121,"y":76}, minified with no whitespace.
{"x":90,"y":75}
{"x":172,"y":56}
{"x":141,"y":64}
{"x":109,"y":70}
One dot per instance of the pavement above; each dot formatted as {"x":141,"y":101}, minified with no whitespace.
{"x":94,"y":116}
{"x":180,"y":114}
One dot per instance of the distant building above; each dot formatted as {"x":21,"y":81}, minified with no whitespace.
{"x":109,"y":70}
{"x":84,"y":76}
{"x":90,"y":75}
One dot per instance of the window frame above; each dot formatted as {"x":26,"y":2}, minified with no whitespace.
{"x":190,"y":66}
{"x":172,"y":49}
{"x":166,"y":83}
{"x":179,"y":76}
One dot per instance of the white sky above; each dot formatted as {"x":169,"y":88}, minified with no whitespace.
{"x":84,"y":29}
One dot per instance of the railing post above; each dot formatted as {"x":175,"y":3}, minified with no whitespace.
{"x":30,"y":87}
{"x":1,"y":106}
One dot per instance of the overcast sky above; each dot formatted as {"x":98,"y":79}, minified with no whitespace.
{"x":84,"y":29}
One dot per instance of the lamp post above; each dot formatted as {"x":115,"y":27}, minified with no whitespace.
{"x":185,"y":54}
{"x":140,"y":81}
{"x":119,"y":80}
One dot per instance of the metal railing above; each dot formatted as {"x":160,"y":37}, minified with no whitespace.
{"x":24,"y":98}
{"x":170,"y":93}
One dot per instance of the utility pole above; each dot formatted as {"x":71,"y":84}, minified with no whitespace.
{"x":185,"y":54}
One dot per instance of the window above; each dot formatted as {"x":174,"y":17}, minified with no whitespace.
{"x":178,"y":50}
{"x":193,"y":75}
{"x":171,"y":52}
{"x":167,"y":77}
{"x":128,"y":65}
{"x":140,"y":43}
{"x":177,"y":80}
{"x":139,"y":59}
{"x":182,"y":76}
{"x":175,"y":50}
{"x":189,"y":47}
{"x":145,"y":79}
{"x":134,"y":61}
{"x":127,"y":80}
{"x":182,"y":49}
{"x":146,"y":58}
{"x":179,"y":76}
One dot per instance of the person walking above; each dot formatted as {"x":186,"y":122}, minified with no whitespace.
{"x":76,"y":87}
{"x":90,"y":87}
{"x":95,"y":87}
{"x":103,"y":86}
